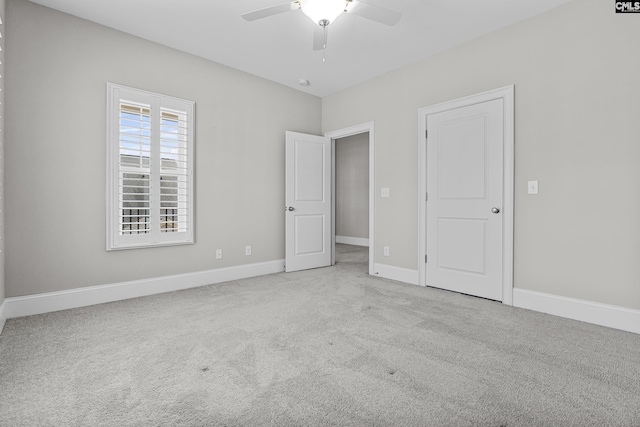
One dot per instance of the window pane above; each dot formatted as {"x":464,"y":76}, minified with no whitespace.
{"x":135,"y":135}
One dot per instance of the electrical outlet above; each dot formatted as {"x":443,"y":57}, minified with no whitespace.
{"x":384,"y":192}
{"x":532,"y":187}
{"x":247,"y":250}
{"x":218,"y":253}
{"x":386,"y":250}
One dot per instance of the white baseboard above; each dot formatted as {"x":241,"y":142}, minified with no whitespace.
{"x":396,"y":273}
{"x":3,"y":315}
{"x":611,"y":316}
{"x":63,"y":300}
{"x":357,"y":241}
{"x":586,"y":311}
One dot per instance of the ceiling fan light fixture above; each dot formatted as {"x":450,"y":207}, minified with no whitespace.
{"x":323,"y":12}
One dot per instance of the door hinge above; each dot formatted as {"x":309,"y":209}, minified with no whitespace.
{"x":426,"y":133}
{"x":426,"y":197}
{"x":425,"y":259}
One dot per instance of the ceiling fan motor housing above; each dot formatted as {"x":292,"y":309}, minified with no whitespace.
{"x":323,"y":12}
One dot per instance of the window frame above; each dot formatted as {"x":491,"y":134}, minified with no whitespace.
{"x":160,"y":106}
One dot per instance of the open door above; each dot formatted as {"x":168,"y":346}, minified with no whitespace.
{"x":307,"y":201}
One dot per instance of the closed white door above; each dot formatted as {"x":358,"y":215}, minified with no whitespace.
{"x":465,"y":172}
{"x":308,"y":201}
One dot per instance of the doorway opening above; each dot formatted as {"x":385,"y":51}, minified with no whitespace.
{"x":353,"y":193}
{"x":351,"y":215}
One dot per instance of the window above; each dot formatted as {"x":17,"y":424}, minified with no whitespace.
{"x":149,"y":169}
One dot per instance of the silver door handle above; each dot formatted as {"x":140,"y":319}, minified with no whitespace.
{"x":495,"y":210}
{"x":290,"y":208}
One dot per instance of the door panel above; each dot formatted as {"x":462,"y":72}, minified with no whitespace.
{"x":308,"y":201}
{"x":461,"y":245}
{"x":309,"y":231}
{"x":464,"y":182}
{"x":461,"y":150}
{"x":309,"y":171}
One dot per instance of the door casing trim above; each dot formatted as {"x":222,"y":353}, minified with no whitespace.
{"x":343,"y":133}
{"x":507,"y":95}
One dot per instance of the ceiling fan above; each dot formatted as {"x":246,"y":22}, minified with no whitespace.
{"x":324,"y":12}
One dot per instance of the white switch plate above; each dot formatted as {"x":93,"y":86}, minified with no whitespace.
{"x":532,"y":187}
{"x":218,"y":253}
{"x":384,"y":192}
{"x":386,"y":250}
{"x":247,"y":250}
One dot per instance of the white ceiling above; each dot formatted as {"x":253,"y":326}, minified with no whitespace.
{"x":279,"y":48}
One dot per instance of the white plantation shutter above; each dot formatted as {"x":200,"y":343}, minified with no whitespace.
{"x":150,"y":169}
{"x":174,"y":172}
{"x":134,"y":175}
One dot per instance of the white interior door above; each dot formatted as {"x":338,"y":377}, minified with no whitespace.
{"x":308,"y":201}
{"x":465,"y":172}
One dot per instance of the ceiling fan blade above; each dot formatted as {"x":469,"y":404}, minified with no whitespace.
{"x":319,"y":40}
{"x":270,"y":11}
{"x":374,"y":13}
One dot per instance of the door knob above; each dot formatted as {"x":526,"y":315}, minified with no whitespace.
{"x":495,"y":210}
{"x":290,"y":208}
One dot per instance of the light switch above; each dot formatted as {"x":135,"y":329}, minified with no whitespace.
{"x":384,"y":192}
{"x":532,"y":187}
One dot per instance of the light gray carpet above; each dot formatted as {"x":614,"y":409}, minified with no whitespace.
{"x":326,"y":347}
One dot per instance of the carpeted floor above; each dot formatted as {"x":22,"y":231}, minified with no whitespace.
{"x":325,"y":347}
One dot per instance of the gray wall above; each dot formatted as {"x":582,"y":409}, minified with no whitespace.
{"x":58,"y":66}
{"x":575,"y":72}
{"x":352,"y":186}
